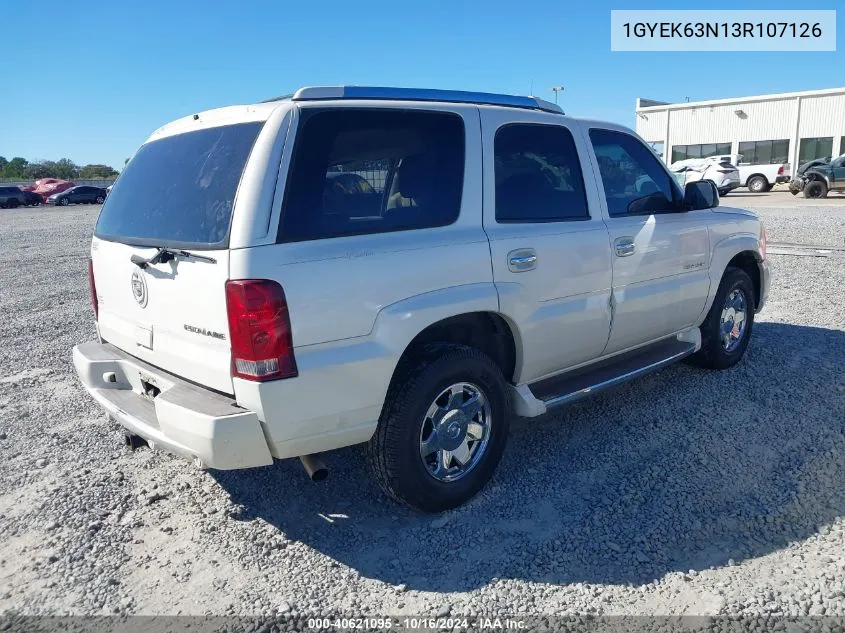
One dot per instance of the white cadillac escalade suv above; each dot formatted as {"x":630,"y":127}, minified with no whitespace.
{"x":402,"y":268}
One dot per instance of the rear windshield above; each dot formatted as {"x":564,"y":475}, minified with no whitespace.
{"x":179,"y":191}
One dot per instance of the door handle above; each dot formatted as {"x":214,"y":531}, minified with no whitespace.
{"x":521,"y":260}
{"x":624,"y":246}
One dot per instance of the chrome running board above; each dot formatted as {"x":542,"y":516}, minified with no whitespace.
{"x":580,"y":383}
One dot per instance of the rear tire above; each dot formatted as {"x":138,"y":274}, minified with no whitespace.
{"x":12,"y":203}
{"x":407,"y":429}
{"x":724,"y":337}
{"x":758,"y":184}
{"x":100,"y":200}
{"x":815,"y":189}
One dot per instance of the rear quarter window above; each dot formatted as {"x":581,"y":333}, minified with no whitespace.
{"x":363,"y":171}
{"x":179,"y":190}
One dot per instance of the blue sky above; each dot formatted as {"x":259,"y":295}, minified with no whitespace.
{"x":91,"y":83}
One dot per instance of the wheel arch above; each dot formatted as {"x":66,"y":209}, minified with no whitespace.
{"x":749,"y":262}
{"x":755,"y":175}
{"x":486,"y":331}
{"x":741,"y":250}
{"x":817,"y":175}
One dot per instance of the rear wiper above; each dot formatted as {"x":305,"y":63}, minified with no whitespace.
{"x":165,"y":255}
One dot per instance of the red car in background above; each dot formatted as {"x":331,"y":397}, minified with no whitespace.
{"x":46,"y":187}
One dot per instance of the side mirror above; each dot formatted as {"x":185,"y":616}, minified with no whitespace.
{"x":701,"y":194}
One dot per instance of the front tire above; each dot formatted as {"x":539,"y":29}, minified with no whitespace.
{"x":815,"y":189}
{"x":726,"y":331}
{"x":442,"y":429}
{"x":12,"y":203}
{"x":100,"y":200}
{"x":64,"y":202}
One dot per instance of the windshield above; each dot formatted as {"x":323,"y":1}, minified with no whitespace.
{"x":179,"y":191}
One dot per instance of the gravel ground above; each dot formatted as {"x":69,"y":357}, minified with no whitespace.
{"x":685,"y":492}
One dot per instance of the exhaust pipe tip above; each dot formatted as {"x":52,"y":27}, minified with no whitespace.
{"x":314,"y":467}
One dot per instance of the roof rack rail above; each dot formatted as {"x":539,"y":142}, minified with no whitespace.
{"x":280,"y":98}
{"x":313,"y":93}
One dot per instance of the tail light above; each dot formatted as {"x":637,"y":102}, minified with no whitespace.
{"x":259,"y":330}
{"x":780,"y":170}
{"x":94,"y":303}
{"x":763,"y":239}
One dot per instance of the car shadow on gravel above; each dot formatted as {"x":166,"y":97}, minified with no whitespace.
{"x":682,"y":470}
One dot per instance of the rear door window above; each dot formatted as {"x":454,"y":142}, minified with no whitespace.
{"x":373,"y":171}
{"x":538,"y":175}
{"x":179,"y":190}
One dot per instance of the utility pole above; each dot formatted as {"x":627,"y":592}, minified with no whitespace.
{"x":556,"y":90}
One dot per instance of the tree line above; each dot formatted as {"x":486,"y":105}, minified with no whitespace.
{"x":21,"y":169}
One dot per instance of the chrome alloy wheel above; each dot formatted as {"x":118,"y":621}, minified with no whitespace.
{"x":733,"y":321}
{"x":455,"y":432}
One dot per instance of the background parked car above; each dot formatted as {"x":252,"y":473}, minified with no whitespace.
{"x":79,"y":195}
{"x":31,"y":199}
{"x":11,"y":197}
{"x":761,"y":177}
{"x":46,"y":187}
{"x":818,"y":177}
{"x":717,"y":169}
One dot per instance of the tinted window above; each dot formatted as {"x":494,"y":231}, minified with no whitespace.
{"x":682,"y":152}
{"x":634,"y":180}
{"x":764,"y":152}
{"x":813,"y":148}
{"x":179,"y":190}
{"x":538,"y":175}
{"x":372,"y":171}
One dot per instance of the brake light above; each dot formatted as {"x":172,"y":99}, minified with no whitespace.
{"x":259,"y":330}
{"x":94,"y":303}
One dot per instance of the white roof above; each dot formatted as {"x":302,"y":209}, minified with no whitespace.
{"x":713,"y":102}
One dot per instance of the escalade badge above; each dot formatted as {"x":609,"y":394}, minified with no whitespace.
{"x":139,"y":288}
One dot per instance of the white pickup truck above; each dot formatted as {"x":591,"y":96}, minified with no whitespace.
{"x":761,"y":178}
{"x":483,"y":256}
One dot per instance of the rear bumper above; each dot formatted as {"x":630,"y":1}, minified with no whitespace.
{"x":182,"y":418}
{"x":728,"y":186}
{"x":782,"y":179}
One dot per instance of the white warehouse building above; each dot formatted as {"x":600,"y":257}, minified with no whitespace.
{"x":791,"y":127}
